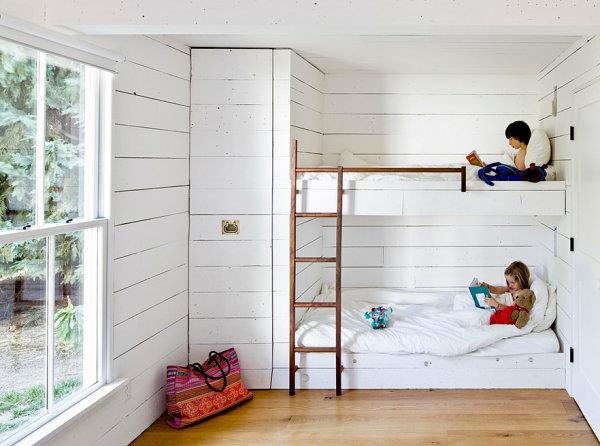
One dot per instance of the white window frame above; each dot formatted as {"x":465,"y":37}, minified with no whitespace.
{"x":96,"y":212}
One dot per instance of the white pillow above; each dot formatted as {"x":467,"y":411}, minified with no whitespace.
{"x":550,"y":314}
{"x":538,"y":149}
{"x":537,"y":313}
{"x":349,"y":159}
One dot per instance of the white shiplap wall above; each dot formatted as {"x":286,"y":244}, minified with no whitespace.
{"x":574,"y":67}
{"x":298,"y":90}
{"x":429,"y":120}
{"x":150,"y":217}
{"x":231,"y":179}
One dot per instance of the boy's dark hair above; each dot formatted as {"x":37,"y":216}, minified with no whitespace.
{"x":518,"y":130}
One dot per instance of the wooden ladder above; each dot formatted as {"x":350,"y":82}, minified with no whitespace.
{"x":294,"y":214}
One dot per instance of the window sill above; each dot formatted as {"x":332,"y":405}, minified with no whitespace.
{"x":74,"y":413}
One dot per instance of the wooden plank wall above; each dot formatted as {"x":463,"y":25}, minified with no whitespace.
{"x":150,"y":216}
{"x":231,"y":179}
{"x":246,"y":105}
{"x":574,"y":67}
{"x":428,"y":120}
{"x":298,"y":91}
{"x":422,"y":119}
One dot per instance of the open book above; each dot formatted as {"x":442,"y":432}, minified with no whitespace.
{"x":479,"y":293}
{"x":474,"y":160}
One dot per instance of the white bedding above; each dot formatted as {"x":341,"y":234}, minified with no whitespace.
{"x":531,"y":343}
{"x":420,"y":323}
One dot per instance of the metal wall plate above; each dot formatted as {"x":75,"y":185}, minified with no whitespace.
{"x":230,"y":227}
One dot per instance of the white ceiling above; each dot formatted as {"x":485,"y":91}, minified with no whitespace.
{"x":409,"y":54}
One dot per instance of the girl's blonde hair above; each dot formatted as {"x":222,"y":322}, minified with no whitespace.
{"x":520,"y":272}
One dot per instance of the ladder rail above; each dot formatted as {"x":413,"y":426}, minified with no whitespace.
{"x":292,"y":340}
{"x":338,"y":282}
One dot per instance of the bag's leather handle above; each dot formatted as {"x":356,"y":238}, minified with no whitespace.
{"x":213,"y":357}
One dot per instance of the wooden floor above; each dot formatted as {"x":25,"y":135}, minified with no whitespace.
{"x":375,"y":417}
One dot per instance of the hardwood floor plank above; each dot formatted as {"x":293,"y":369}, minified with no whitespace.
{"x":411,"y":417}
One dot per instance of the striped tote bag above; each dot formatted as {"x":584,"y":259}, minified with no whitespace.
{"x":198,"y":391}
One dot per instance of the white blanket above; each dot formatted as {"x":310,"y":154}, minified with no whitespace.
{"x":420,"y":323}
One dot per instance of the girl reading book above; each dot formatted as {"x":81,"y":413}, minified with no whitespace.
{"x":517,"y":279}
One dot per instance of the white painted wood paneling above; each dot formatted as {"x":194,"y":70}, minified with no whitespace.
{"x":156,"y":84}
{"x":137,"y":329}
{"x":135,"y":268}
{"x":230,"y":201}
{"x":149,"y":173}
{"x":418,"y":126}
{"x":140,"y":111}
{"x":235,"y":278}
{"x":230,"y":253}
{"x":149,"y":304}
{"x":138,"y":298}
{"x":140,"y":205}
{"x":141,"y":142}
{"x":231,"y":179}
{"x":227,"y":142}
{"x":225,"y":64}
{"x":425,"y":235}
{"x":149,"y":52}
{"x":419,"y":104}
{"x":132,"y":238}
{"x":448,"y":378}
{"x":227,"y":305}
{"x":231,"y":91}
{"x":135,"y":361}
{"x":429,"y":84}
{"x":231,"y":117}
{"x":235,"y":172}
{"x":420,"y":361}
{"x":577,"y":65}
{"x":233,"y":330}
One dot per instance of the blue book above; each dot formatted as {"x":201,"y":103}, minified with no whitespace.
{"x":479,"y":293}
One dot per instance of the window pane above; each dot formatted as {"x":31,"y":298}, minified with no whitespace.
{"x":22,"y":333}
{"x":64,"y":154}
{"x":18,"y":72}
{"x":75,"y":316}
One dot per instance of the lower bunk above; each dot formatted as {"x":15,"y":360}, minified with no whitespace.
{"x":434,"y":340}
{"x":421,"y":371}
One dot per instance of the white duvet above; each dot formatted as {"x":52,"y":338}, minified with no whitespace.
{"x":425,"y":323}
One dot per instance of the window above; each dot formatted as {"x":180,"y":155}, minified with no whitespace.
{"x":52,"y":235}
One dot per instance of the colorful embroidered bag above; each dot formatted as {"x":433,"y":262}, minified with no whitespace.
{"x":198,"y":391}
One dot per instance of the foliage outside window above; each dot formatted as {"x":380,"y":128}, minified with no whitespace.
{"x":49,"y":318}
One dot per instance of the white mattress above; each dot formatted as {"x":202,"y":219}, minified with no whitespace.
{"x":316,"y":327}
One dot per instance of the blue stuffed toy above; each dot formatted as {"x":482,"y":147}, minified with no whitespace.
{"x":380,"y":317}
{"x":504,"y":172}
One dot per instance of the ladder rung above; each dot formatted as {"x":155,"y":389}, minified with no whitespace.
{"x":314,"y":304}
{"x":315,"y":259}
{"x":316,"y":214}
{"x":316,"y":169}
{"x":315,"y":349}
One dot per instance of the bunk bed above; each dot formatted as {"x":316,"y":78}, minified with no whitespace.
{"x":370,"y":192}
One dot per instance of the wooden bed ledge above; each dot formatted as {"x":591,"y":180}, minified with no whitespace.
{"x":473,"y":185}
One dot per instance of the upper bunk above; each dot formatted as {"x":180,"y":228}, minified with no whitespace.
{"x":423,"y":191}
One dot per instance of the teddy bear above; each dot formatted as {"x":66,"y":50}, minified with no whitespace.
{"x":518,"y":313}
{"x":380,"y":317}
